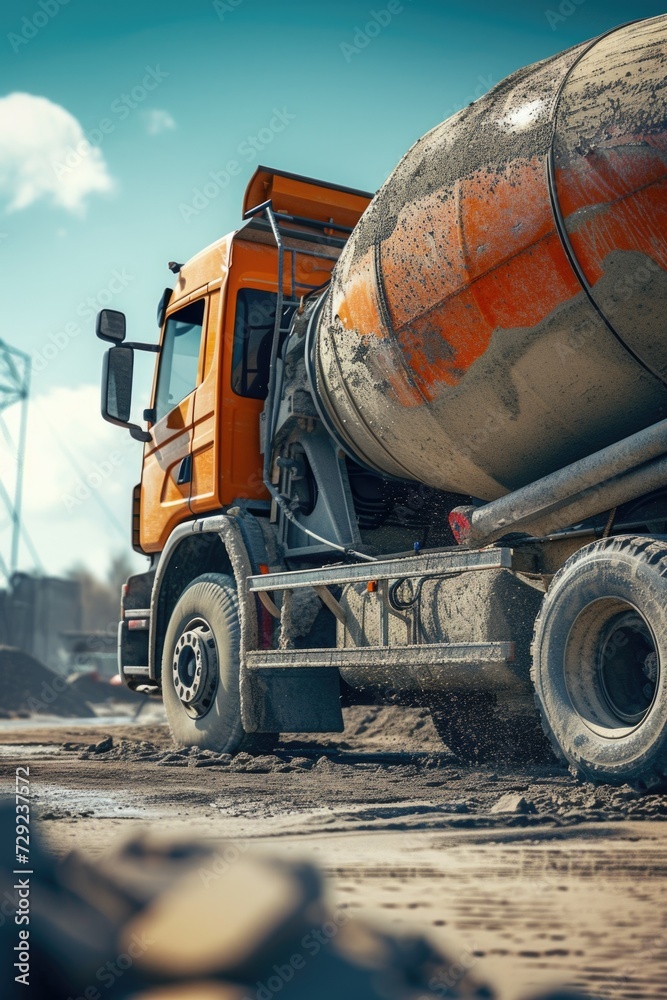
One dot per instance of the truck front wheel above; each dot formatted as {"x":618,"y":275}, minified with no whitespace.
{"x":201,"y":666}
{"x":599,"y":656}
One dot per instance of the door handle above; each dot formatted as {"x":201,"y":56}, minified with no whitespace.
{"x":185,"y":471}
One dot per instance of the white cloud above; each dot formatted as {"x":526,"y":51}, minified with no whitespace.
{"x":78,"y":479}
{"x":158,"y":120}
{"x":45,"y":154}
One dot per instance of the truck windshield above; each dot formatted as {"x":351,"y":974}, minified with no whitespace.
{"x":179,"y":357}
{"x":253,"y":333}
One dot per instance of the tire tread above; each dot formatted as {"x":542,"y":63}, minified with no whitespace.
{"x":653,"y":552}
{"x":221,"y":589}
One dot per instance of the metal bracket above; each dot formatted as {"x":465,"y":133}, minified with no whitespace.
{"x":332,"y":604}
{"x":272,"y":608}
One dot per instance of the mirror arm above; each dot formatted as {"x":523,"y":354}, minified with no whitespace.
{"x":138,"y":433}
{"x":154,"y":348}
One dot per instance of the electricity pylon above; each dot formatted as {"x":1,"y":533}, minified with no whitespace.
{"x":14,"y":390}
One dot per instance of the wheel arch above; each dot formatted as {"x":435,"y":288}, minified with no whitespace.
{"x":214,"y":544}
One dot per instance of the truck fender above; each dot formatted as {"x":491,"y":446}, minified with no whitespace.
{"x":197,"y":547}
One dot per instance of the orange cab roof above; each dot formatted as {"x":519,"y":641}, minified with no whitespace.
{"x":291,"y":194}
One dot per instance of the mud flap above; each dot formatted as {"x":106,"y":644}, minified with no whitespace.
{"x":295,"y":700}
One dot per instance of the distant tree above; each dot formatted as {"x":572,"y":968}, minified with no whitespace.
{"x":119,"y":570}
{"x":101,"y":598}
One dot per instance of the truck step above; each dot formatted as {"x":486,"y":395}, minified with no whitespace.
{"x":137,"y":672}
{"x":440,"y":654}
{"x":395,"y":568}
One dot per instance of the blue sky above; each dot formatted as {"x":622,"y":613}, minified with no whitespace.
{"x":167,"y":93}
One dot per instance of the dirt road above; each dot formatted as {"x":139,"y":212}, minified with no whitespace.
{"x":528,"y":875}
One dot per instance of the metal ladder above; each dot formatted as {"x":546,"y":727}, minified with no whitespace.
{"x":278,"y":224}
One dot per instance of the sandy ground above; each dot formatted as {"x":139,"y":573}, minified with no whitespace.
{"x":526,"y":873}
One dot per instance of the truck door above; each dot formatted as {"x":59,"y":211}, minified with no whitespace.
{"x":167,"y":470}
{"x":205,"y":489}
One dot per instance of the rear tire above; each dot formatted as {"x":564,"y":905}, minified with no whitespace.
{"x":201,"y":668}
{"x":599,"y":656}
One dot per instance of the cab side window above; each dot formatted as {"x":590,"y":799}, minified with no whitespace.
{"x":179,"y":357}
{"x":253,"y":336}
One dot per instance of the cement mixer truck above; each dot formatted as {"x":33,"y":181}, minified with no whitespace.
{"x":413,"y":447}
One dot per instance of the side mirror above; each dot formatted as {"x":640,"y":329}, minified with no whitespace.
{"x":117,"y":374}
{"x":110,"y":326}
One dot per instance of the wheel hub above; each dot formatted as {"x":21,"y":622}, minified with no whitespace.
{"x":612,"y":667}
{"x":628,"y":668}
{"x":195,"y":668}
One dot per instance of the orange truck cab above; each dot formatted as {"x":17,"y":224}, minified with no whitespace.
{"x":202,"y":447}
{"x":222,"y":329}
